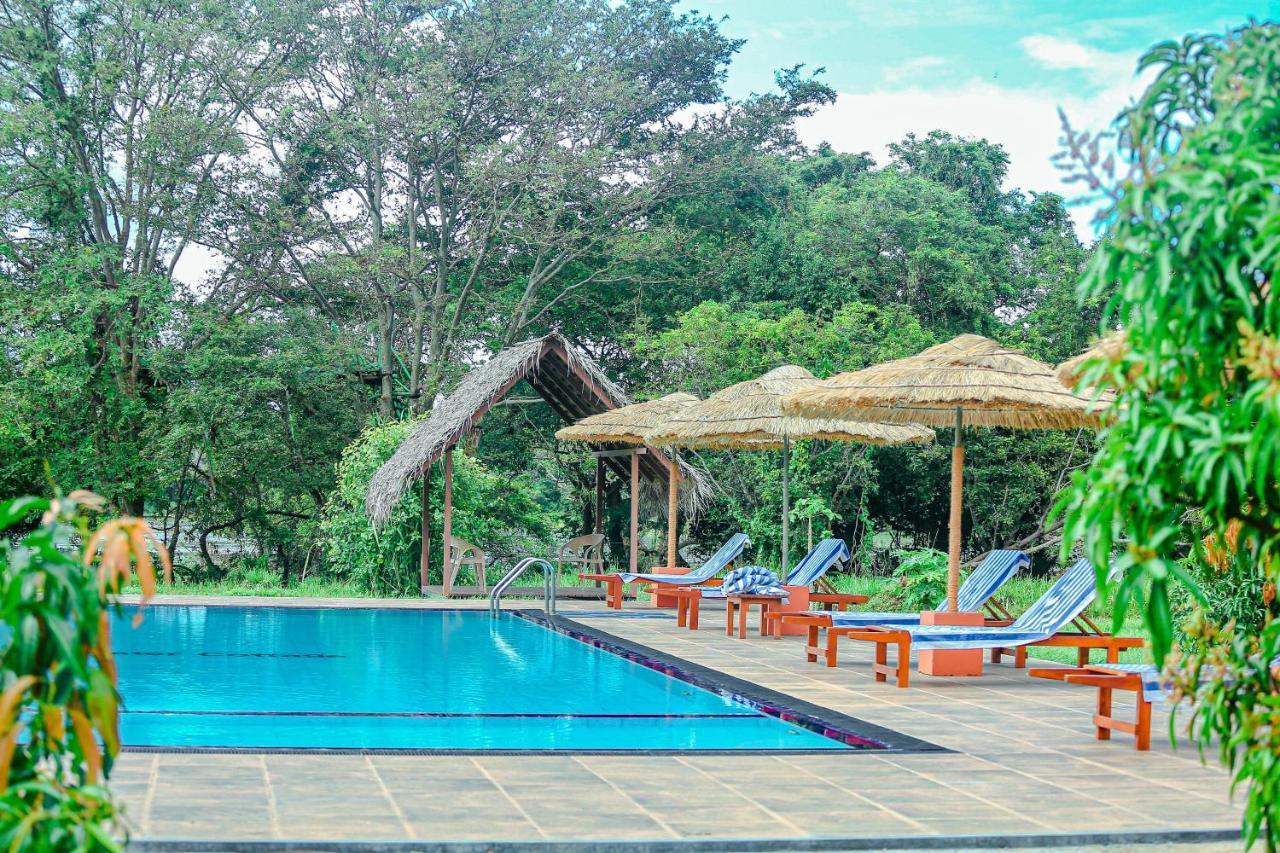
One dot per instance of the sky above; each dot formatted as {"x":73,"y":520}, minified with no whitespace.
{"x":992,"y":69}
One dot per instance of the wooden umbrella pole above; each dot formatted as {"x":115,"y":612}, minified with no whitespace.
{"x":957,"y":488}
{"x":635,"y":509}
{"x":786,"y":505}
{"x":673,"y":489}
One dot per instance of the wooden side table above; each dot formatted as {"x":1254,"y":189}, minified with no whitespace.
{"x":1107,"y":680}
{"x":741,"y":604}
{"x":613,"y":588}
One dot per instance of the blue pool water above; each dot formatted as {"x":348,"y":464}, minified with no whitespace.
{"x":409,"y":679}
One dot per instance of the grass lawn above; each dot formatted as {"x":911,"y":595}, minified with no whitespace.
{"x":261,"y":582}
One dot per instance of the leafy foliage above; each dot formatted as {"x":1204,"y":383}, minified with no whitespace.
{"x":497,"y":512}
{"x":59,"y":708}
{"x":1193,"y":446}
{"x":919,"y":583}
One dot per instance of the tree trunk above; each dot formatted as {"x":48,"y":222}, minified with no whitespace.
{"x":386,"y":356}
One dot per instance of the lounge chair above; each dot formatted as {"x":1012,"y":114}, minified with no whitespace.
{"x":1041,"y":625}
{"x":1141,"y":679}
{"x":976,"y":593}
{"x":720,"y":560}
{"x":825,"y":555}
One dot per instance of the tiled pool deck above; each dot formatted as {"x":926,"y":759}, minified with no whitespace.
{"x":1023,"y":762}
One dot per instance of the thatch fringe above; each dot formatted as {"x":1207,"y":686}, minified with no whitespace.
{"x":749,"y":415}
{"x":628,"y":424}
{"x":994,"y":385}
{"x":1110,"y":348}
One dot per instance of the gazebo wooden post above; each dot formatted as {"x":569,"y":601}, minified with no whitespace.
{"x":635,"y":508}
{"x":448,"y":520}
{"x":425,"y":561}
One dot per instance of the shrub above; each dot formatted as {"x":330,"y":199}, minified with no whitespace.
{"x":919,"y":582}
{"x":496,"y":512}
{"x":58,"y":702}
{"x":1192,"y":445}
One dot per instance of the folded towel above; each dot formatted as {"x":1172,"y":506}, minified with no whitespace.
{"x":752,"y":580}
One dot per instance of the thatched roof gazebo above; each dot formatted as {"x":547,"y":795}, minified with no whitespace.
{"x":570,"y":382}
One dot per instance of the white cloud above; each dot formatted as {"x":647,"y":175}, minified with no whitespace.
{"x":1022,"y":119}
{"x":910,"y":13}
{"x":911,"y":68}
{"x":1065,"y":54}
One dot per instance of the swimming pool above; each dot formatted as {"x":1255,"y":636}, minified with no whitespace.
{"x":385,"y":679}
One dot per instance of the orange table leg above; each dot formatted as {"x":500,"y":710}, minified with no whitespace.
{"x":904,"y":659}
{"x":743,"y":609}
{"x":1142,"y":729}
{"x":694,"y":601}
{"x":811,"y":645}
{"x":1104,"y":712}
{"x":728,"y":609}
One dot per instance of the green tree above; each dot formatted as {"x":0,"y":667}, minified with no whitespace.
{"x":1193,"y":443}
{"x":113,"y":145}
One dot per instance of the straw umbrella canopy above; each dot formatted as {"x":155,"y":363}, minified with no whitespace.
{"x":749,"y":415}
{"x":969,"y":379}
{"x":627,"y":425}
{"x":1110,"y":348}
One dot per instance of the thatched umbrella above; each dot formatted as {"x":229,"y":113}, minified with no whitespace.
{"x":627,"y":425}
{"x":1110,"y":348}
{"x":970,"y":378}
{"x":749,"y":415}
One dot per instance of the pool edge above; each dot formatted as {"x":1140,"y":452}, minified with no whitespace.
{"x":771,"y":703}
{"x":992,"y":841}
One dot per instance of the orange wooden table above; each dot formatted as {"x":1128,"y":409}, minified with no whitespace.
{"x":1107,"y":680}
{"x":741,"y":605}
{"x":613,"y":588}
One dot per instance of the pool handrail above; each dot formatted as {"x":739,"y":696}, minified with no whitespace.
{"x":548,"y":585}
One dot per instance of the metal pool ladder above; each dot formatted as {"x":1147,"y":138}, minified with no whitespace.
{"x":548,"y":584}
